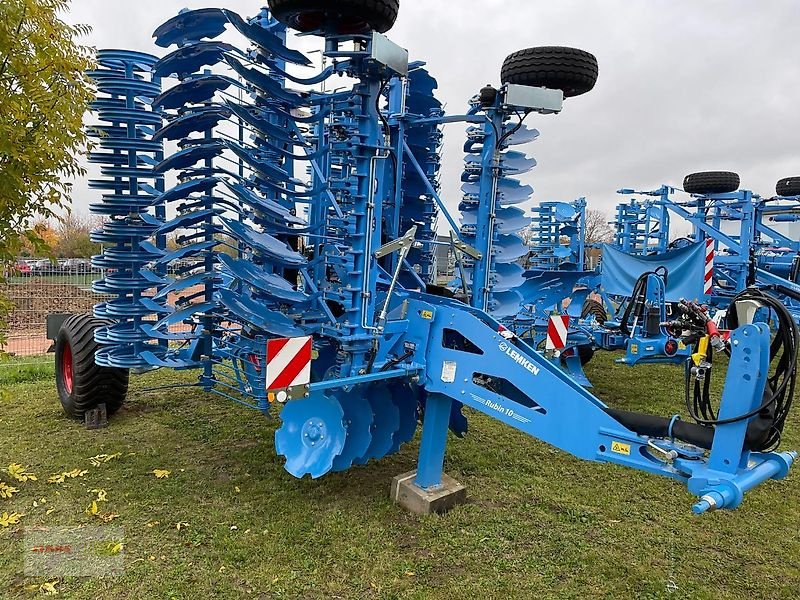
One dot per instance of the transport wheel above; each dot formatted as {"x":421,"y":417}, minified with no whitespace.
{"x":711,"y":182}
{"x":595,"y":309}
{"x":344,"y":16}
{"x":81,"y":383}
{"x":570,"y":70}
{"x":788,"y":187}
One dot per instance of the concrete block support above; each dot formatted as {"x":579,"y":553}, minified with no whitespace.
{"x":422,"y":501}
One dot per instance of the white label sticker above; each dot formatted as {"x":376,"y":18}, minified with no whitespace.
{"x":449,"y":371}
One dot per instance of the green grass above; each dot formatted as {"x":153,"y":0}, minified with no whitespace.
{"x":15,"y":370}
{"x":539,"y":524}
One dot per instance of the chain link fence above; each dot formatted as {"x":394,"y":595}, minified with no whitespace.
{"x":37,"y":288}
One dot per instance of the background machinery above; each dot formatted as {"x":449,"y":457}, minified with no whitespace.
{"x":748,"y":239}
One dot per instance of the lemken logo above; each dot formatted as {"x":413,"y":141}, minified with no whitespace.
{"x":518,"y":358}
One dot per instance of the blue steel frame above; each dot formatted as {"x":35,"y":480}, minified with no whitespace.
{"x":544,"y":399}
{"x":386,"y":333}
{"x":642,"y":226}
{"x":548,"y":226}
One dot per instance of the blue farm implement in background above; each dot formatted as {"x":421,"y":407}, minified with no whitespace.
{"x":276,"y":234}
{"x":746,"y":235}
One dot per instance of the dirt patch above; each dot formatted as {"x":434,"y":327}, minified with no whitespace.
{"x":37,"y":297}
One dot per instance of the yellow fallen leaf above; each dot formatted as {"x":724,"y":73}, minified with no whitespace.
{"x":62,"y":477}
{"x":49,"y":588}
{"x":7,"y":520}
{"x":20,"y":473}
{"x":116,"y":548}
{"x":102,"y":495}
{"x":181,"y":525}
{"x":50,"y":510}
{"x":152,"y":524}
{"x":103,"y":458}
{"x":107,"y":517}
{"x":6,"y":491}
{"x":237,"y":489}
{"x":92,"y":510}
{"x":410,"y":573}
{"x":161,"y":473}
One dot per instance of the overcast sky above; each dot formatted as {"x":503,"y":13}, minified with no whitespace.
{"x":685,"y":85}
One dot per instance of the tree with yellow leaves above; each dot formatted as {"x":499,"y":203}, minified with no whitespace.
{"x":43,"y":96}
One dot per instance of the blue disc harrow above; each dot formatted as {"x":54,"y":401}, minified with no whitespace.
{"x":270,"y":223}
{"x":127,"y":153}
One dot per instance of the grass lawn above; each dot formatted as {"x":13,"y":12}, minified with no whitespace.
{"x":539,"y":523}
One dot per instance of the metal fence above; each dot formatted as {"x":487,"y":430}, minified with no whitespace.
{"x":37,"y":288}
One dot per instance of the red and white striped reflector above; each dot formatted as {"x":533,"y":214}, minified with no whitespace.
{"x":557,"y":332}
{"x":288,"y":362}
{"x":708,"y":288}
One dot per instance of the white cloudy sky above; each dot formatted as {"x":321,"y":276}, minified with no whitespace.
{"x":685,"y":85}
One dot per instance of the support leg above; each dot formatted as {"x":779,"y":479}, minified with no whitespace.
{"x":428,"y":489}
{"x":434,"y":441}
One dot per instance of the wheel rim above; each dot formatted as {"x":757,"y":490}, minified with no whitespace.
{"x":66,"y":367}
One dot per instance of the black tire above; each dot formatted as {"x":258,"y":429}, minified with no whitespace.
{"x":788,"y":187}
{"x":570,"y":70}
{"x":84,"y":384}
{"x":711,"y":182}
{"x":595,"y":309}
{"x":342,"y":16}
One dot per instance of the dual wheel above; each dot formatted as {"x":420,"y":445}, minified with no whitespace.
{"x":570,"y":70}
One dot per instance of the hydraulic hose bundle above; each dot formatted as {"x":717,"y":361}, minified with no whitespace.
{"x":766,"y":422}
{"x":779,"y":393}
{"x":636,"y":307}
{"x":764,"y":431}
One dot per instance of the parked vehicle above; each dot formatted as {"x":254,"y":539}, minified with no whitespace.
{"x":43,"y":267}
{"x":76,"y":265}
{"x":22,"y":269}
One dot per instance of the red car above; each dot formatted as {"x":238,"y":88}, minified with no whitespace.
{"x":22,"y":269}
